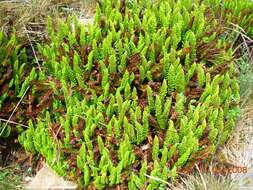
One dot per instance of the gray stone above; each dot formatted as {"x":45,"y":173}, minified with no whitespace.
{"x":47,"y":179}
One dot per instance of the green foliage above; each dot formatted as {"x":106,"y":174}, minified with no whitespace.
{"x":155,"y":148}
{"x":13,"y":76}
{"x":146,"y":78}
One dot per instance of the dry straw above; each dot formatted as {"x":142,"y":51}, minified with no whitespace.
{"x":28,"y":17}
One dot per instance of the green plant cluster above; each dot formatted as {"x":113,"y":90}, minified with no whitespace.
{"x":13,"y":75}
{"x":144,"y":91}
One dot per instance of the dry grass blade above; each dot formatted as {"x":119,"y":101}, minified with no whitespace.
{"x":34,"y":52}
{"x":13,"y":122}
{"x":246,"y":40}
{"x":201,"y":177}
{"x":212,"y":182}
{"x":157,"y":179}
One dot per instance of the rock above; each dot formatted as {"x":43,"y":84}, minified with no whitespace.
{"x":47,"y":179}
{"x":28,"y":179}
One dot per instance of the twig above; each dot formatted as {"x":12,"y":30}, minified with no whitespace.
{"x":237,"y":26}
{"x":241,"y":31}
{"x":7,"y":167}
{"x":34,"y":53}
{"x":58,"y":131}
{"x":13,"y":122}
{"x":157,"y":179}
{"x":241,"y":44}
{"x":8,"y":121}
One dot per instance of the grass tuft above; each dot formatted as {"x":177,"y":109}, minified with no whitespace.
{"x":10,"y":178}
{"x":206,"y":181}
